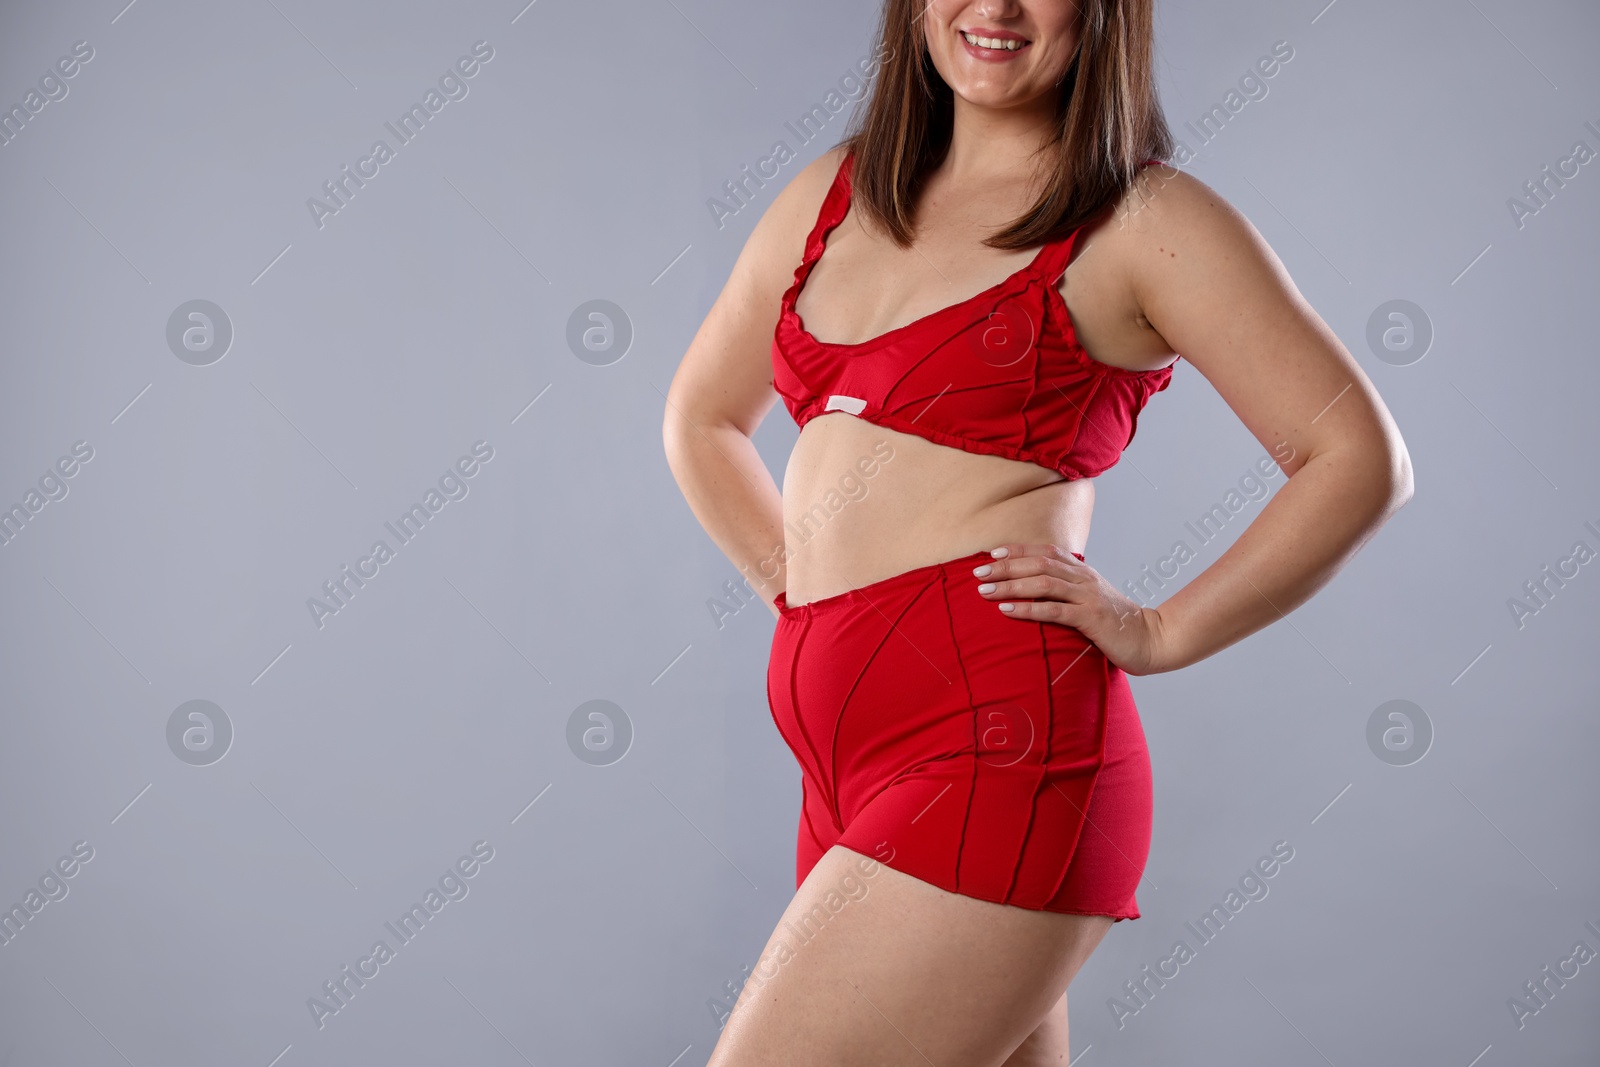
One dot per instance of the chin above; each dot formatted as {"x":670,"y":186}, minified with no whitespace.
{"x":989,"y":97}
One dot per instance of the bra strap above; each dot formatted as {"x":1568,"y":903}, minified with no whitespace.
{"x":834,"y":207}
{"x":1053,"y":258}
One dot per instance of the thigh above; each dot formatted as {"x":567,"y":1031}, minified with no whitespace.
{"x":1047,"y":1046}
{"x":869,"y":965}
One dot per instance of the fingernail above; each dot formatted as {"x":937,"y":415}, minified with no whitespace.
{"x":986,"y":587}
{"x":1000,"y":553}
{"x":981,"y":572}
{"x":1008,"y":607}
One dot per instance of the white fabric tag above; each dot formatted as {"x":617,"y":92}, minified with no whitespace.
{"x":854,"y":405}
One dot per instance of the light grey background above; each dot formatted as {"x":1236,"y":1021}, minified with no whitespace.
{"x":369,"y":354}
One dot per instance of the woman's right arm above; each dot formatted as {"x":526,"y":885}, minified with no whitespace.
{"x":723,"y":389}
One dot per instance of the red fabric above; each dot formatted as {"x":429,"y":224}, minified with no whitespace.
{"x":990,"y":756}
{"x":1001,"y":373}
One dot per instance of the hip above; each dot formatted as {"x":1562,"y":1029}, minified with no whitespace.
{"x":918,"y":670}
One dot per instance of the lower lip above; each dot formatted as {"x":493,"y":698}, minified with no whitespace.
{"x":991,"y":55}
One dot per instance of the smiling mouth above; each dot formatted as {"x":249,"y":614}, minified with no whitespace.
{"x":999,"y":44}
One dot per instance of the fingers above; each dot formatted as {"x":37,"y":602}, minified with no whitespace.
{"x":1034,"y":587}
{"x":1025,"y":561}
{"x":1013,"y":552}
{"x":1047,"y":578}
{"x":1038,"y":611}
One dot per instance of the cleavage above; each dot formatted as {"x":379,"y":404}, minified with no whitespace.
{"x":862,"y":282}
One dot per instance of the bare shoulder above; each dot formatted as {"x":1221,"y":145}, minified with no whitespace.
{"x":1167,"y":211}
{"x":725,"y":376}
{"x":1207,"y":281}
{"x":804,"y":192}
{"x":777,"y":243}
{"x":1192,"y":259}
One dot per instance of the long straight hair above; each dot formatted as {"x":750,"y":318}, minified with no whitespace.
{"x":1107,"y":121}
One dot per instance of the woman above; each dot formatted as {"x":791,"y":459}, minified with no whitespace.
{"x":948,"y":670}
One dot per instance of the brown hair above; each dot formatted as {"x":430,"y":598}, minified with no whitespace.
{"x":1107,"y":121}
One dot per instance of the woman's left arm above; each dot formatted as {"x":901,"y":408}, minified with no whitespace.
{"x":1214,"y":290}
{"x":1212,"y":287}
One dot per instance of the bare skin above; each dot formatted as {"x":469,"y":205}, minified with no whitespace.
{"x":906,"y":973}
{"x":913,"y":973}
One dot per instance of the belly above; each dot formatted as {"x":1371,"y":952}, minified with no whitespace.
{"x":862,"y":503}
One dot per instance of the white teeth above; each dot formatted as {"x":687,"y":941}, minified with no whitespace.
{"x":992,"y":42}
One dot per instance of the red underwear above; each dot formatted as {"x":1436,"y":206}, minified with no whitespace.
{"x":994,"y":757}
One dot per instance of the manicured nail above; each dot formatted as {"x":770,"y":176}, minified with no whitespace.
{"x":986,"y":587}
{"x":1000,"y":553}
{"x":1008,"y":607}
{"x":981,"y":572}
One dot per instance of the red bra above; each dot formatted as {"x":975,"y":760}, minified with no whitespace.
{"x":1000,"y":373}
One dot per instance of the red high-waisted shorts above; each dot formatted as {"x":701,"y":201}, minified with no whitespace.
{"x":990,"y":756}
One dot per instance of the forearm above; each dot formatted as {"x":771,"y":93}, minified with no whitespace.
{"x":1325,"y":512}
{"x":734,"y":497}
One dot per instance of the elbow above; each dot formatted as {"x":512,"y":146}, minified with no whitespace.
{"x":673,"y":443}
{"x":668,"y":421}
{"x":1377,"y":480}
{"x":687,"y":429}
{"x":1385,"y":474}
{"x":1402,"y":483}
{"x":676,"y":425}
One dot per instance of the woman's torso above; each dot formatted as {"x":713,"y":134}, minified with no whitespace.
{"x":863,"y":502}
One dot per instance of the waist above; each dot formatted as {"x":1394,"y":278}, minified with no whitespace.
{"x":862,"y":503}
